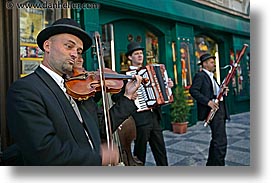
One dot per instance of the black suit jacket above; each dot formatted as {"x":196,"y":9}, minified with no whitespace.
{"x":45,"y":127}
{"x":202,"y":91}
{"x":143,"y":117}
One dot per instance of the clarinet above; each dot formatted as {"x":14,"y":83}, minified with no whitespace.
{"x":224,"y":84}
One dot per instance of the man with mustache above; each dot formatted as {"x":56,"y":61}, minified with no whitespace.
{"x":45,"y":122}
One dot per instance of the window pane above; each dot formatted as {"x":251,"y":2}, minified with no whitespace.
{"x":152,"y":48}
{"x":32,"y":21}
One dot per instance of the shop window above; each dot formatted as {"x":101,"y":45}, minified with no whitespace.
{"x":107,"y":39}
{"x":241,"y":81}
{"x":174,"y":58}
{"x":185,"y":64}
{"x":32,"y":21}
{"x":152,"y":48}
{"x":205,"y":44}
{"x":184,"y":56}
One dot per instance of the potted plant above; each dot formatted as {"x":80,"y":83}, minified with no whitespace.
{"x":180,"y":110}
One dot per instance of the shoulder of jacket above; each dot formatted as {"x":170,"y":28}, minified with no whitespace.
{"x":200,"y":73}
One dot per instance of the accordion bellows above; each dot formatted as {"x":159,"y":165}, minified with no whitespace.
{"x":155,"y":92}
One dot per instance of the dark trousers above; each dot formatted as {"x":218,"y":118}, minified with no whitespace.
{"x":218,"y":144}
{"x":151,"y":133}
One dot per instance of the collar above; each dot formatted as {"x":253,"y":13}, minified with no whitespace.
{"x":57,"y":78}
{"x":131,"y":67}
{"x":210,"y":74}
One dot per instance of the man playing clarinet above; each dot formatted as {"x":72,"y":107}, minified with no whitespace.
{"x":205,"y":89}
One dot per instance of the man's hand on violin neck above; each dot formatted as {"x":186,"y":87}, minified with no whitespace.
{"x":132,"y":86}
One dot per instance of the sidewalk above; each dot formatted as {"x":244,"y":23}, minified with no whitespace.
{"x":191,"y":148}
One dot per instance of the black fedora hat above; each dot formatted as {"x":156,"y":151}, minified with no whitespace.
{"x":64,"y":25}
{"x":205,"y":57}
{"x":133,"y":46}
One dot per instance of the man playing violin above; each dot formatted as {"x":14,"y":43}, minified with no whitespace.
{"x":45,"y":122}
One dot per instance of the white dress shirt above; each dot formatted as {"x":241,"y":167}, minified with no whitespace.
{"x":60,"y":82}
{"x":215,"y":85}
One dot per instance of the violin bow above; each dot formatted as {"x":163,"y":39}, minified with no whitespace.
{"x":105,"y":102}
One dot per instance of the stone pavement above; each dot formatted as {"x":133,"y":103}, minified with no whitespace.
{"x":191,"y":148}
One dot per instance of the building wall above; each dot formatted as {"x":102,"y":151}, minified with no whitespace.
{"x":179,"y":23}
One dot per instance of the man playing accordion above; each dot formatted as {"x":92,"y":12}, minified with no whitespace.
{"x":147,"y":121}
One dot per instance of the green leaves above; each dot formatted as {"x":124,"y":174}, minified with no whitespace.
{"x":180,"y":110}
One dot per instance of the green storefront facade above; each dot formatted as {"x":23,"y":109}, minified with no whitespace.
{"x":174,"y":33}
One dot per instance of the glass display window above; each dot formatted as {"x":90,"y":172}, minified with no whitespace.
{"x":152,"y":48}
{"x":185,"y":65}
{"x":107,"y":39}
{"x":205,"y":44}
{"x":241,"y":81}
{"x":32,"y":21}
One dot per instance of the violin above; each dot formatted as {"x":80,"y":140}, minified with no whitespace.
{"x":83,"y":84}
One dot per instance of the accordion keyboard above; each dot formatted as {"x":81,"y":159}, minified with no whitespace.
{"x":156,"y":91}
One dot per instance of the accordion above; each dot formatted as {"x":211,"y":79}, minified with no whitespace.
{"x":156,"y":91}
